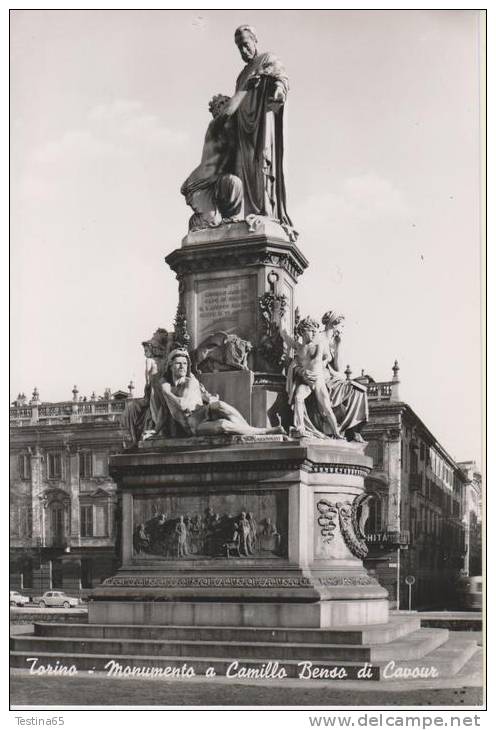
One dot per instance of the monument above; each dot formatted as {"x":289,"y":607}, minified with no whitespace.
{"x":242,"y":488}
{"x":241,"y":492}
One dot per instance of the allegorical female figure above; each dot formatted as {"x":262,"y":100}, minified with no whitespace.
{"x":257,"y":107}
{"x":307,"y":376}
{"x":348,"y":398}
{"x":324,"y":403}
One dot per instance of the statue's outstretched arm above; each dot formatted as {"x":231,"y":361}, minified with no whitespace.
{"x":232,"y":106}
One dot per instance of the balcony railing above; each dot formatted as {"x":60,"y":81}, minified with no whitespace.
{"x":380,"y":391}
{"x":20,"y":413}
{"x":67,"y":412}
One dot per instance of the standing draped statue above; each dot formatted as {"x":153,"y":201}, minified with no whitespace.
{"x":241,"y":171}
{"x":258,"y":104}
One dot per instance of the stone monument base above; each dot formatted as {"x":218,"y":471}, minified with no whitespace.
{"x":321,"y":614}
{"x":241,"y":531}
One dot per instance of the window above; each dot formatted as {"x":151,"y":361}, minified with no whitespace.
{"x":94,"y":520}
{"x":422,"y":452}
{"x":375,"y":449}
{"x":57,"y":518}
{"x":54,"y":463}
{"x":87,"y":521}
{"x":374,"y":521}
{"x":101,"y":522}
{"x":85,"y":464}
{"x":24,"y":466}
{"x":100,"y":464}
{"x":413,"y":523}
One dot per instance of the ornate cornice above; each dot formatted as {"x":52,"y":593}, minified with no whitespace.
{"x":349,"y":470}
{"x":237,"y":255}
{"x":203,"y":468}
{"x":283,"y":465}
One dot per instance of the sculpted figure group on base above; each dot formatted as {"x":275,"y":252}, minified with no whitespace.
{"x":321,"y":401}
{"x":240,"y":177}
{"x":175,"y":403}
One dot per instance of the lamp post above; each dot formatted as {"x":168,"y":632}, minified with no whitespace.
{"x":398,"y":571}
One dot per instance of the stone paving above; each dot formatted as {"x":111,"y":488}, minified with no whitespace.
{"x":104,"y":691}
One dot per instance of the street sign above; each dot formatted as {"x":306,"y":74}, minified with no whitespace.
{"x":410,"y":580}
{"x":392,"y":565}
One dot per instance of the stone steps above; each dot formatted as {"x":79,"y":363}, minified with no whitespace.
{"x":448,"y":659}
{"x":359,"y":635}
{"x":445,"y":661}
{"x":413,"y":646}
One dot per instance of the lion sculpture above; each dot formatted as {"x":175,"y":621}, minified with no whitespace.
{"x":221,"y":352}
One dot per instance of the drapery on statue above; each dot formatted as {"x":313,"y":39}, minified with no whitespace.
{"x":307,"y":375}
{"x":180,"y":405}
{"x":241,"y":171}
{"x":324,"y":402}
{"x":348,"y":398}
{"x":258,"y":106}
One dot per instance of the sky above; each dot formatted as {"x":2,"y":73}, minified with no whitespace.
{"x":383,"y":174}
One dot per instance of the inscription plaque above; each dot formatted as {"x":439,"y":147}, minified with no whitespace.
{"x":227,"y":304}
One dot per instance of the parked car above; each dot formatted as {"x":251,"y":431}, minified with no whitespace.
{"x":56,"y":598}
{"x":17,"y":599}
{"x":469,"y":590}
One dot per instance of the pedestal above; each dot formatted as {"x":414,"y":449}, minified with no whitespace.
{"x":295,"y":560}
{"x":223,"y":271}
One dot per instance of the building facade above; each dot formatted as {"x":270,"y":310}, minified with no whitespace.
{"x":63,"y":510}
{"x":473,"y":518}
{"x":416,"y":527}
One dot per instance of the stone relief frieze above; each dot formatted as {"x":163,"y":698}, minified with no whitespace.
{"x":232,"y":581}
{"x":226,"y":526}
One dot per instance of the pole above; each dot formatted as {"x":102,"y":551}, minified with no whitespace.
{"x":409,"y":596}
{"x":398,"y":579}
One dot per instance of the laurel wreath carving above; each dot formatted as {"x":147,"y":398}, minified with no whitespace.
{"x":349,"y":516}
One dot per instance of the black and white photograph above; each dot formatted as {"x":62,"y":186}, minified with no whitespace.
{"x":247,"y":312}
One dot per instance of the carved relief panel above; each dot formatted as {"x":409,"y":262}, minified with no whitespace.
{"x":172,"y":527}
{"x":339,"y":524}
